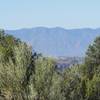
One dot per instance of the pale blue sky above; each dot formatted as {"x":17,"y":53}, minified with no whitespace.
{"x":16,"y":14}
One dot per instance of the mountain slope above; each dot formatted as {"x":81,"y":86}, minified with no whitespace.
{"x":57,"y":41}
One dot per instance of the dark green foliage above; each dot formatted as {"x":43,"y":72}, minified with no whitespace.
{"x":7,"y":43}
{"x":92,"y":59}
{"x":16,"y":67}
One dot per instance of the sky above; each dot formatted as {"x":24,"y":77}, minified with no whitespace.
{"x":15,"y":14}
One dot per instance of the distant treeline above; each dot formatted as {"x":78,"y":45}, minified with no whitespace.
{"x":65,"y":62}
{"x":26,"y":75}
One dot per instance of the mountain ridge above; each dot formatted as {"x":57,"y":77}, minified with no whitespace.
{"x":57,"y":41}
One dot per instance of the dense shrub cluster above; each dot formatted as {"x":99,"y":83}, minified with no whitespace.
{"x":28,"y":76}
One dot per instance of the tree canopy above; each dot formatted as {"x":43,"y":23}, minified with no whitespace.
{"x":26,"y":75}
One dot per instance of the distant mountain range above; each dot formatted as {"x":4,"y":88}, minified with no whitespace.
{"x":57,"y":41}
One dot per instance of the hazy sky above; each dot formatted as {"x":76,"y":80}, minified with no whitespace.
{"x":51,"y":13}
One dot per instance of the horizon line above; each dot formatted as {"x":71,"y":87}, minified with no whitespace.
{"x":73,"y":28}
